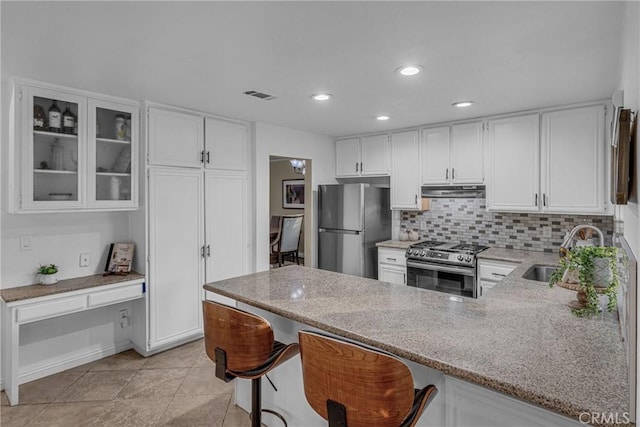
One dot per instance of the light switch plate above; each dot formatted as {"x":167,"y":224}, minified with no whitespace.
{"x":25,"y":243}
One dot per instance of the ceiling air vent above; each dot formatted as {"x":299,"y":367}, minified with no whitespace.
{"x":259,"y":95}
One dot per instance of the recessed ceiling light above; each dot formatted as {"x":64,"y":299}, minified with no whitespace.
{"x":322,"y":96}
{"x":382,"y":118}
{"x":409,"y":70}
{"x":462,"y":104}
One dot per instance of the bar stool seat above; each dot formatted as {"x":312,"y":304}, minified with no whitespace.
{"x":350,"y":384}
{"x":243,"y":346}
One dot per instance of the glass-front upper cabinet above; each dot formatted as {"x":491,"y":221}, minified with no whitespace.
{"x":113,"y":145}
{"x":53,"y":149}
{"x":74,"y":150}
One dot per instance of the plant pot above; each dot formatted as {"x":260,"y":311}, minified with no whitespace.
{"x":602,"y":274}
{"x":48,"y":279}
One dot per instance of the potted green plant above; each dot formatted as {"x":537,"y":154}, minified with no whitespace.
{"x":48,"y":274}
{"x":595,"y":271}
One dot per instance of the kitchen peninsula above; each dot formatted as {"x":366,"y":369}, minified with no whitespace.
{"x":520,"y":341}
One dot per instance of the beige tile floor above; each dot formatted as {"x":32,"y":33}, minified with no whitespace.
{"x":175,"y":388}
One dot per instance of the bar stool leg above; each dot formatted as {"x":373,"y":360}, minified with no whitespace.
{"x":256,"y":401}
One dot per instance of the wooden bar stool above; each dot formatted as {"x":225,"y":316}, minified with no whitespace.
{"x":242,"y":345}
{"x":354,"y":385}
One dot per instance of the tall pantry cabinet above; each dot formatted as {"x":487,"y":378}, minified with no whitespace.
{"x":197,"y":216}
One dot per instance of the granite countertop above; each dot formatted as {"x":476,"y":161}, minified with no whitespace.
{"x":67,"y":285}
{"x":398,"y":244}
{"x":520,"y":339}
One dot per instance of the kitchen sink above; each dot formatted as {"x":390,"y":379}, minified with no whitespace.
{"x":541,"y":273}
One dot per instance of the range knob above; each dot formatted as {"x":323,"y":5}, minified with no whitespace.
{"x":460,"y":258}
{"x":423,"y":253}
{"x":468,"y":258}
{"x":410,"y":252}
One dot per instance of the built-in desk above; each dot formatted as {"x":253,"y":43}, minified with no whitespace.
{"x":26,"y":304}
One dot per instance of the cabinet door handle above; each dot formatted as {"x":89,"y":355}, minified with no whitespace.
{"x":453,"y":173}
{"x":416,"y":202}
{"x":544,"y":199}
{"x":499,"y":274}
{"x":208,"y":157}
{"x":202,"y":156}
{"x":209,"y":251}
{"x":404,"y":278}
{"x":361,"y":168}
{"x":202,"y":252}
{"x":391,"y":259}
{"x":446,"y":176}
{"x":536,"y":199}
{"x":356,"y":166}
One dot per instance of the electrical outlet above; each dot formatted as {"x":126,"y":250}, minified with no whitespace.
{"x":423,"y":225}
{"x":85,"y":259}
{"x":123,"y":317}
{"x":546,"y":231}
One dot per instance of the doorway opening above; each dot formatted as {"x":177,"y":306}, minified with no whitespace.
{"x":290,"y":193}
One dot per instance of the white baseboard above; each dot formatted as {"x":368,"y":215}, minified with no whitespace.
{"x":53,"y":366}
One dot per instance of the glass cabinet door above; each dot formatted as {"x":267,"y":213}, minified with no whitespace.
{"x":113,"y":148}
{"x":53,"y":149}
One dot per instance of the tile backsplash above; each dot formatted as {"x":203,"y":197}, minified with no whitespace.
{"x":468,"y":221}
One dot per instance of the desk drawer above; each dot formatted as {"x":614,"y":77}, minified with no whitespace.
{"x":51,"y":309}
{"x":113,"y":296}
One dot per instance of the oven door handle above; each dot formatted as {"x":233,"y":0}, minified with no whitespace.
{"x":443,"y":268}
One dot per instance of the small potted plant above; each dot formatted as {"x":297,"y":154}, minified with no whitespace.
{"x":48,"y":274}
{"x":590,"y":270}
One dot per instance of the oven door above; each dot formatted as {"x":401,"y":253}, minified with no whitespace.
{"x":444,"y":278}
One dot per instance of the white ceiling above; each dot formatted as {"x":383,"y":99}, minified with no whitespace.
{"x":507,"y":56}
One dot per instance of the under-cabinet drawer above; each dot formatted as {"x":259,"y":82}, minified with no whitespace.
{"x":392,"y":256}
{"x":494,"y":270}
{"x":32,"y":313}
{"x":113,"y":296}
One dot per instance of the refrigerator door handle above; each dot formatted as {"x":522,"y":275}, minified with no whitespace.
{"x":336,"y":231}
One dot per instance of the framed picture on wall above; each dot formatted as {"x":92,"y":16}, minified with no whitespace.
{"x":293,"y":193}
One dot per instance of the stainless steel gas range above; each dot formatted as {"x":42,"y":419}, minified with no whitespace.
{"x":445,"y":267}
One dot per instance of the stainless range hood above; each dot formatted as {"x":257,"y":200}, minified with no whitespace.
{"x":454,"y":192}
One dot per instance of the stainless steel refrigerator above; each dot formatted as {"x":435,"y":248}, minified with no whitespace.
{"x":351,"y":219}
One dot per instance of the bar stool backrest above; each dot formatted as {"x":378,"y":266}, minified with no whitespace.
{"x":375,"y":387}
{"x":246,"y":338}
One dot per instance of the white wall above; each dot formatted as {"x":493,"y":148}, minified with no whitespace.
{"x":273,"y":140}
{"x":630,"y":83}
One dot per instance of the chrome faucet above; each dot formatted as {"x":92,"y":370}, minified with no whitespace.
{"x":567,"y":241}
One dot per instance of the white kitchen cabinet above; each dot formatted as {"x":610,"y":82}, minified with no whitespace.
{"x":226,"y":144}
{"x":176,"y":138}
{"x":198,"y":213}
{"x":514,"y":164}
{"x":466,"y":154}
{"x":227,"y":245}
{"x":435,"y":155}
{"x":452,"y":155}
{"x":348,"y":158}
{"x":561,"y":170}
{"x":392,"y":265}
{"x":366,"y":156}
{"x":405,"y":171}
{"x":470,"y":405}
{"x":491,"y":272}
{"x":573,"y":166}
{"x":113,"y":155}
{"x":175,"y":262}
{"x":73,"y":168}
